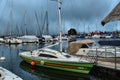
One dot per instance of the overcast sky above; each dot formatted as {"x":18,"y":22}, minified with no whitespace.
{"x":83,"y":15}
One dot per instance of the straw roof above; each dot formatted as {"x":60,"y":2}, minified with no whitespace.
{"x":113,"y":16}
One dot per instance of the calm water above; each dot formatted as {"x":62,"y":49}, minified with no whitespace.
{"x":15,"y":64}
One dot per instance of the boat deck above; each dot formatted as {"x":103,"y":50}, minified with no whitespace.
{"x":107,"y":62}
{"x":113,"y":65}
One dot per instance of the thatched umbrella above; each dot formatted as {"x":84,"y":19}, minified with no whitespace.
{"x":114,"y":15}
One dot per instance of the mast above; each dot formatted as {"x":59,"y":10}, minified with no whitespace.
{"x":35,"y":24}
{"x":11,"y":17}
{"x":25,"y":23}
{"x":11,"y":23}
{"x":47,"y":24}
{"x":60,"y":24}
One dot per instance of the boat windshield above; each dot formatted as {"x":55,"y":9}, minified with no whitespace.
{"x":68,"y":56}
{"x":47,"y":55}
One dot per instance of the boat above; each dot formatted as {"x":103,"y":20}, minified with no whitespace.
{"x":88,"y":48}
{"x":59,"y":60}
{"x":7,"y":75}
{"x":13,"y":41}
{"x":96,"y":36}
{"x":2,"y":40}
{"x":49,"y":58}
{"x":52,"y":74}
{"x":64,"y":37}
{"x":2,"y":58}
{"x":47,"y":38}
{"x":29,"y":39}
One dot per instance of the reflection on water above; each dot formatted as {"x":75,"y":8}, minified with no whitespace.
{"x":102,"y":73}
{"x":14,"y":63}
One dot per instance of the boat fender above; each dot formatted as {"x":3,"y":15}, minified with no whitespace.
{"x":33,"y":63}
{"x":42,"y":62}
{"x":2,"y":74}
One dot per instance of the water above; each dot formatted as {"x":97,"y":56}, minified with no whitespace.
{"x":15,"y":64}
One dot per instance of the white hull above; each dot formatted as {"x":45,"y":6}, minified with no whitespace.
{"x":13,"y":41}
{"x":7,"y":75}
{"x":29,"y":39}
{"x":47,"y":38}
{"x":96,"y":36}
{"x":2,"y":40}
{"x":57,"y":56}
{"x":102,"y":52}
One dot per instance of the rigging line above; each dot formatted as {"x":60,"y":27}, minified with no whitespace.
{"x":35,"y":24}
{"x":4,"y":8}
{"x":44,"y":21}
{"x":23,"y":21}
{"x":25,"y":25}
{"x":38,"y":22}
{"x":47,"y":24}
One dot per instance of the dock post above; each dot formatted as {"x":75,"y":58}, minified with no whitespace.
{"x":105,"y":52}
{"x":96,"y":62}
{"x":115,"y":60}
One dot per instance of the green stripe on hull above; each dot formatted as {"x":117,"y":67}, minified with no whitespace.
{"x":61,"y":65}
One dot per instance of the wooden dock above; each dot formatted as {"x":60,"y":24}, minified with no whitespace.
{"x":113,"y":63}
{"x":107,"y":62}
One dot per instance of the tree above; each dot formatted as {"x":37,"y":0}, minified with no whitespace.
{"x":72,"y":31}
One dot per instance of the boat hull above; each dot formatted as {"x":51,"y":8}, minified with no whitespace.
{"x":52,"y":74}
{"x":78,"y":67}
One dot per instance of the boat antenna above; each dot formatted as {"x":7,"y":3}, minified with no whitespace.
{"x":60,"y":24}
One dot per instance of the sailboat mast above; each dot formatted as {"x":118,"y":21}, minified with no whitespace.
{"x":11,"y":18}
{"x":47,"y":30}
{"x":60,"y":24}
{"x":25,"y":24}
{"x":11,"y":23}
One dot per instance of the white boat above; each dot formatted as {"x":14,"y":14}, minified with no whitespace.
{"x":7,"y":75}
{"x":47,"y":38}
{"x":2,"y":58}
{"x":13,"y":41}
{"x":86,"y":48}
{"x":96,"y":36}
{"x":2,"y":40}
{"x":108,"y":36}
{"x":63,"y":37}
{"x":29,"y":39}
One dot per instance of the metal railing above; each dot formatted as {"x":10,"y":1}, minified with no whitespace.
{"x":107,"y":57}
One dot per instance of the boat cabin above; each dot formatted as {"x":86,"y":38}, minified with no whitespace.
{"x":74,"y":47}
{"x":47,"y":53}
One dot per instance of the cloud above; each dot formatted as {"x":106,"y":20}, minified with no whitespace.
{"x":75,"y":14}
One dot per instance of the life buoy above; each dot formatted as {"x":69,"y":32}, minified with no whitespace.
{"x":2,"y":74}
